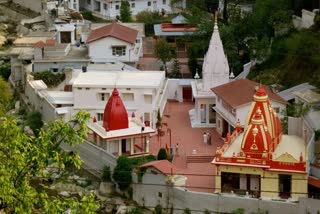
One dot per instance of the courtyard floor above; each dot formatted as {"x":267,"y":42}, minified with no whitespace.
{"x":190,"y":143}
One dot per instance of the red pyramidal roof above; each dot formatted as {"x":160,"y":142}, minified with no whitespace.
{"x":115,"y":114}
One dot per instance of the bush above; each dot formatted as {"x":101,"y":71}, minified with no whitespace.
{"x":158,"y":209}
{"x":187,"y":211}
{"x":35,"y":122}
{"x":106,"y":174}
{"x":5,"y":71}
{"x":162,"y":154}
{"x":135,"y":210}
{"x":49,"y":78}
{"x":122,"y":173}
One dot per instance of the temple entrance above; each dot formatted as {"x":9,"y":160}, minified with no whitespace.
{"x":230,"y":182}
{"x":285,"y":186}
{"x":123,"y":145}
{"x":187,"y":94}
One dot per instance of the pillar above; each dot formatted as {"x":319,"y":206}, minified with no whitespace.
{"x":147,"y":144}
{"x":119,"y":148}
{"x":131,"y":146}
{"x":207,"y":114}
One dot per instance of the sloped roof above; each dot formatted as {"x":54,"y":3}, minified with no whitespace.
{"x":240,"y":92}
{"x":114,"y":30}
{"x":164,"y":166}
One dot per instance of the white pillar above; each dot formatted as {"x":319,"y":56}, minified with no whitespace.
{"x":207,"y":113}
{"x":131,"y":146}
{"x":147,"y":144}
{"x":119,"y":148}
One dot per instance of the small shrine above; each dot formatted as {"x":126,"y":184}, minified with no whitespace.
{"x":119,"y":134}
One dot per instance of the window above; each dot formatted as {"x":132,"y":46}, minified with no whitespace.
{"x":104,"y":96}
{"x":79,"y":88}
{"x":117,"y":7}
{"x":119,"y":50}
{"x":160,"y":194}
{"x":87,"y":89}
{"x":149,"y":3}
{"x":128,"y":97}
{"x":181,"y":47}
{"x":147,"y":99}
{"x":105,"y":6}
{"x":89,"y":2}
{"x":100,"y":116}
{"x":164,"y":1}
{"x":133,"y":5}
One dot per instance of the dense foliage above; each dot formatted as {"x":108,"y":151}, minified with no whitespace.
{"x":34,"y":120}
{"x":49,"y":78}
{"x":106,"y":174}
{"x":162,"y":154}
{"x":25,"y":159}
{"x":5,"y":71}
{"x":5,"y":96}
{"x":125,"y":13}
{"x":122,"y":173}
{"x":165,"y":52}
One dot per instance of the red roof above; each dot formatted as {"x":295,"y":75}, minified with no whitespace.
{"x":114,"y":30}
{"x":314,"y":182}
{"x":50,"y":42}
{"x":115,"y":114}
{"x":168,"y":27}
{"x":239,"y":92}
{"x":39,"y":44}
{"x":164,"y":166}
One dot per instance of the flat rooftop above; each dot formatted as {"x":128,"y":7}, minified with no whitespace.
{"x":130,"y":79}
{"x":74,"y":54}
{"x":60,"y":97}
{"x":308,"y":95}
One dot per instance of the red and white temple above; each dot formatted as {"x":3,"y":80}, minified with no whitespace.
{"x":119,"y":134}
{"x":260,"y":161}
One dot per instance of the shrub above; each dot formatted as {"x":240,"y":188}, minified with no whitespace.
{"x":49,"y":78}
{"x":162,"y":154}
{"x":158,"y":209}
{"x":106,"y":174}
{"x":135,"y":210}
{"x":5,"y":71}
{"x":187,"y":211}
{"x":122,"y":173}
{"x":34,"y":121}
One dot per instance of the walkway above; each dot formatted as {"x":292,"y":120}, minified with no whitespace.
{"x":190,"y":140}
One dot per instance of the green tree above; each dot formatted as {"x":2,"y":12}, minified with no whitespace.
{"x":5,"y":71}
{"x":106,"y":174}
{"x":162,"y":154}
{"x":24,"y":158}
{"x":5,"y":96}
{"x":165,"y":52}
{"x":35,"y":122}
{"x":176,"y":69}
{"x":122,"y":173}
{"x":158,"y":209}
{"x":125,"y":13}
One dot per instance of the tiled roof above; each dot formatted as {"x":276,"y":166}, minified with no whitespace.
{"x":164,"y":166}
{"x":114,"y":30}
{"x":239,"y":92}
{"x":39,"y":44}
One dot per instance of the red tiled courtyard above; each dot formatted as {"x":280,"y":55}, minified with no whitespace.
{"x":191,"y":146}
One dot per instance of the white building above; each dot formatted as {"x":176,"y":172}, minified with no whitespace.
{"x":215,"y":72}
{"x":139,"y":90}
{"x":111,"y":8}
{"x":114,"y":42}
{"x":233,"y":101}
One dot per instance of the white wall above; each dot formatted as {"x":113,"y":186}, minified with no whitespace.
{"x":102,"y":49}
{"x":91,"y":101}
{"x":140,"y":5}
{"x":306,"y":21}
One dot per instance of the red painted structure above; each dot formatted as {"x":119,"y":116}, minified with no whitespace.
{"x":261,"y":136}
{"x":115,"y":114}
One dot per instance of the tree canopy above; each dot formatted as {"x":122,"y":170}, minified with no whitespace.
{"x":27,"y":160}
{"x":125,"y":13}
{"x":5,"y":96}
{"x":122,"y":173}
{"x":165,"y":52}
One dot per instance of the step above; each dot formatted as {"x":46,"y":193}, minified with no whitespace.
{"x":200,"y":158}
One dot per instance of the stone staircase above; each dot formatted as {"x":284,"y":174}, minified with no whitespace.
{"x":199,"y":158}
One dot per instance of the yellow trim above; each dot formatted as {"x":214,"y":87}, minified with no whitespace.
{"x":266,"y":110}
{"x":245,"y":136}
{"x":264,"y":138}
{"x":260,"y":98}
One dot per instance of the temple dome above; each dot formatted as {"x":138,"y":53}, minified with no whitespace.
{"x":115,"y":114}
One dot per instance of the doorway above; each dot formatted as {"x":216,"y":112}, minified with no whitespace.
{"x":123,"y":145}
{"x":285,"y":186}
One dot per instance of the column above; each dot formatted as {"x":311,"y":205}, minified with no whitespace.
{"x":207,"y":114}
{"x":119,"y":148}
{"x":147,"y":144}
{"x":131,"y":146}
